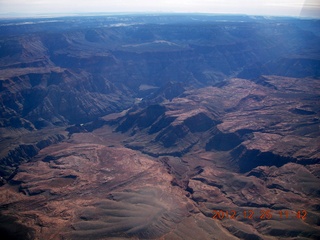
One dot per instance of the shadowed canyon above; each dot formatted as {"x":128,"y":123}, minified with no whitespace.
{"x":160,"y":127}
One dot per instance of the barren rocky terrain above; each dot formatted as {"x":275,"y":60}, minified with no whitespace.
{"x":160,"y":127}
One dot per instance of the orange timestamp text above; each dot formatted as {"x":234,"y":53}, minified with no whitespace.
{"x":264,"y":214}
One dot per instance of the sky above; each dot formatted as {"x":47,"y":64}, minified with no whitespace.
{"x":296,"y":8}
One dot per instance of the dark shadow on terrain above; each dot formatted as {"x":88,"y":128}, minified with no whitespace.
{"x":249,"y":159}
{"x":11,"y":230}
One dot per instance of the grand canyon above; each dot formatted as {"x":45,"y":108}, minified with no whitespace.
{"x":160,"y":126}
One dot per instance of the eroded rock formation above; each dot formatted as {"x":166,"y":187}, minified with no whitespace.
{"x":159,"y":127}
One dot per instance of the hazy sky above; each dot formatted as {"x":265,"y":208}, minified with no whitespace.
{"x":296,"y":8}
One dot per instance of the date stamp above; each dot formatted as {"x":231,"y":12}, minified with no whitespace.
{"x":264,"y":214}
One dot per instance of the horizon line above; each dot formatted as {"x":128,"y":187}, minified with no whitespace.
{"x":15,"y":15}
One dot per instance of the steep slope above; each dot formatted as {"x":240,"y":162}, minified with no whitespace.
{"x":159,"y":127}
{"x":91,"y":186}
{"x":83,"y":65}
{"x":259,"y":125}
{"x":35,"y":98}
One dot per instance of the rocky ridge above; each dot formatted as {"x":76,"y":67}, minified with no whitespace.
{"x":270,"y":124}
{"x":146,"y":127}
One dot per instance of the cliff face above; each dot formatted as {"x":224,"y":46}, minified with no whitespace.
{"x":72,"y":74}
{"x":24,"y":153}
{"x":151,"y":127}
{"x":56,"y":96}
{"x":259,"y":125}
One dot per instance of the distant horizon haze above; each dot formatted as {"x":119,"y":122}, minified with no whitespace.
{"x":293,"y":8}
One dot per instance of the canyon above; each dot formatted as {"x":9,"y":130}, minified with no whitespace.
{"x":160,"y":127}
